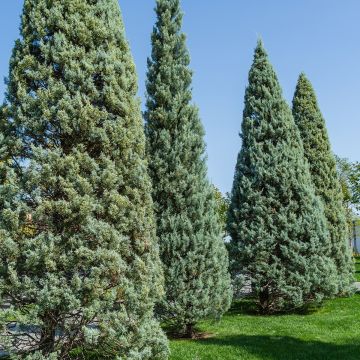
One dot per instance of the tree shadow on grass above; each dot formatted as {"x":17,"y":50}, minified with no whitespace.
{"x":248,"y":306}
{"x":288,"y":348}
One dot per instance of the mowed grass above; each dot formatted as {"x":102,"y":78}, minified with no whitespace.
{"x":329,"y":333}
{"x":357,"y":268}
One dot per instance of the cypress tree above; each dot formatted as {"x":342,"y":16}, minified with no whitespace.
{"x":322,"y":164}
{"x":87,"y":273}
{"x":194,"y":257}
{"x":276,"y":223}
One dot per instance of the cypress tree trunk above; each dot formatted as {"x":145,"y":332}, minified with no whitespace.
{"x":189,"y":330}
{"x":192,"y":251}
{"x":48,"y":334}
{"x":322,"y":163}
{"x":77,"y":238}
{"x":278,"y":231}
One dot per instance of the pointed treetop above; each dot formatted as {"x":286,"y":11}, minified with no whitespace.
{"x":304,"y":90}
{"x":168,"y":4}
{"x":260,"y":51}
{"x":169,"y":11}
{"x":168,"y":66}
{"x":263,"y":81}
{"x":304,"y":82}
{"x":260,"y":44}
{"x":302,"y":76}
{"x":261,"y":59}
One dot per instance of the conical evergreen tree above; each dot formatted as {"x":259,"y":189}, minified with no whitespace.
{"x":277,"y":224}
{"x":322,"y":164}
{"x":195,"y":261}
{"x":77,"y":238}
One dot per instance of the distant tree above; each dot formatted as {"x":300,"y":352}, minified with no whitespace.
{"x":222,"y":205}
{"x":343,"y":167}
{"x":193,"y":253}
{"x":88,"y":274}
{"x":276,"y":223}
{"x":344,"y":170}
{"x":355,"y":184}
{"x":324,"y":175}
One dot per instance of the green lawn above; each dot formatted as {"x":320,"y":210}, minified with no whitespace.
{"x":330,"y":333}
{"x":357,"y":268}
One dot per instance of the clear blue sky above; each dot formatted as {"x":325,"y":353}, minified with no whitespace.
{"x":319,"y":37}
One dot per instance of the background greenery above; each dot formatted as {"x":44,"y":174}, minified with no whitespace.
{"x":357,"y":268}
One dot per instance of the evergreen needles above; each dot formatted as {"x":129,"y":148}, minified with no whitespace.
{"x":105,"y":222}
{"x":79,"y":261}
{"x":279,"y":237}
{"x":322,"y":163}
{"x":192,"y":250}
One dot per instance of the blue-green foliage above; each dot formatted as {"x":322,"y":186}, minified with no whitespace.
{"x":279,"y":236}
{"x":77,"y":238}
{"x":194,"y":257}
{"x":322,"y":164}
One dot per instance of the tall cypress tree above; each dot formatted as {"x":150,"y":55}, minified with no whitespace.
{"x":277,"y":224}
{"x":78,"y":253}
{"x":195,"y":261}
{"x":322,"y":164}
